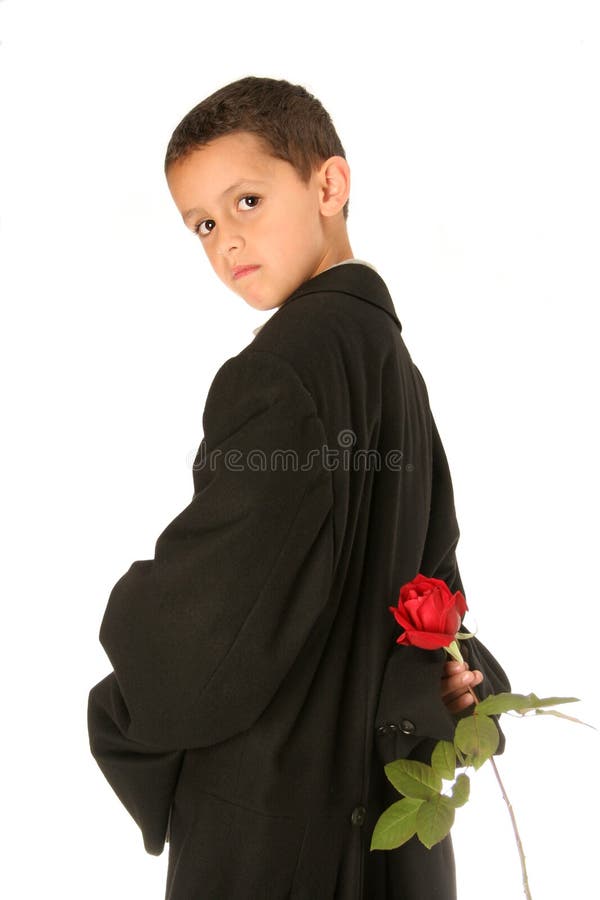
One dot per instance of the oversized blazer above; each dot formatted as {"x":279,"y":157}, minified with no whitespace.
{"x":258,"y":689}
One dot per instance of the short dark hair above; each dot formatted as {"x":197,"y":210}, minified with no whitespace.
{"x":290,"y":122}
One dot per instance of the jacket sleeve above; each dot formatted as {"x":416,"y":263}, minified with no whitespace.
{"x":201,"y":636}
{"x":143,"y":779}
{"x":410,"y":689}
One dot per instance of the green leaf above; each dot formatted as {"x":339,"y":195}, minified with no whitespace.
{"x":413,"y":778}
{"x":496,"y":704}
{"x":435,"y":818}
{"x":460,"y":791}
{"x":396,"y":825}
{"x":464,"y":761}
{"x":554,"y":712}
{"x":443,"y":759}
{"x":478,"y":737}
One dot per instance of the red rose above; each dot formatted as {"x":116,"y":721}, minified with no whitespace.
{"x":429,"y":613}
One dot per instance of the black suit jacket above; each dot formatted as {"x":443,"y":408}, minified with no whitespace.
{"x":254,"y":657}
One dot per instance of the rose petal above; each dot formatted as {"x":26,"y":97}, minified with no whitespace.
{"x":433,"y":613}
{"x":412,"y":608}
{"x":422,"y":581}
{"x":452,"y":623}
{"x":461,"y":603}
{"x":407,"y":592}
{"x":403,"y":639}
{"x":402,"y":620}
{"x":427,"y":640}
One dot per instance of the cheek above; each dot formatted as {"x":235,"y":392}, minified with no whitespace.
{"x":215,"y":260}
{"x":220,"y":270}
{"x":294,"y":239}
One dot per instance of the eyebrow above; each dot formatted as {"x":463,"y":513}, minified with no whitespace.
{"x":197,"y":210}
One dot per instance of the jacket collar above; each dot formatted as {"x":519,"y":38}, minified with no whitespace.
{"x":357,"y":280}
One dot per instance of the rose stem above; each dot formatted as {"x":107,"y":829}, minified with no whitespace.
{"x":512,"y":818}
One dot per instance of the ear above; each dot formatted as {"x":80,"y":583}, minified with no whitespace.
{"x":334,"y":184}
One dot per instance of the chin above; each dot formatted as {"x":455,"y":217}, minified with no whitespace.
{"x":262,"y":303}
{"x":263,"y":306}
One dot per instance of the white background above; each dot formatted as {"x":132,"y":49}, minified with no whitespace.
{"x":471,"y":129}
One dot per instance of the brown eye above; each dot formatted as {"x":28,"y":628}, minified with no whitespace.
{"x":206,"y":223}
{"x":250,"y":197}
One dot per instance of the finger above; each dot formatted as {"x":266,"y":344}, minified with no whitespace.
{"x":461,"y":703}
{"x":456,"y":685}
{"x":462,"y":698}
{"x":460,"y":681}
{"x":453,"y":666}
{"x":464,"y":677}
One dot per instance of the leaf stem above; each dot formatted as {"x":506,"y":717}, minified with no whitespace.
{"x":512,"y":818}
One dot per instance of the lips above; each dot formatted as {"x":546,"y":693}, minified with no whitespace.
{"x":240,"y":271}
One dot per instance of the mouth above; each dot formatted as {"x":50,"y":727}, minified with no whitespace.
{"x":240,"y":271}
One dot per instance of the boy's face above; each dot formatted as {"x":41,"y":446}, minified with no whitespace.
{"x":250,"y":209}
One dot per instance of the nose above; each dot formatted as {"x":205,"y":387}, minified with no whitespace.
{"x":225,"y":249}
{"x":229,"y":241}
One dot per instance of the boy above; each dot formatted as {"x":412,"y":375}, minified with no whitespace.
{"x":251,"y":654}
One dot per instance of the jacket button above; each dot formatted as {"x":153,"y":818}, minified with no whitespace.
{"x":358,"y":815}
{"x":382,"y":730}
{"x":407,"y":727}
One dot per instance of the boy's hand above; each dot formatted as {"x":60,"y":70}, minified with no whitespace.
{"x":456,"y":681}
